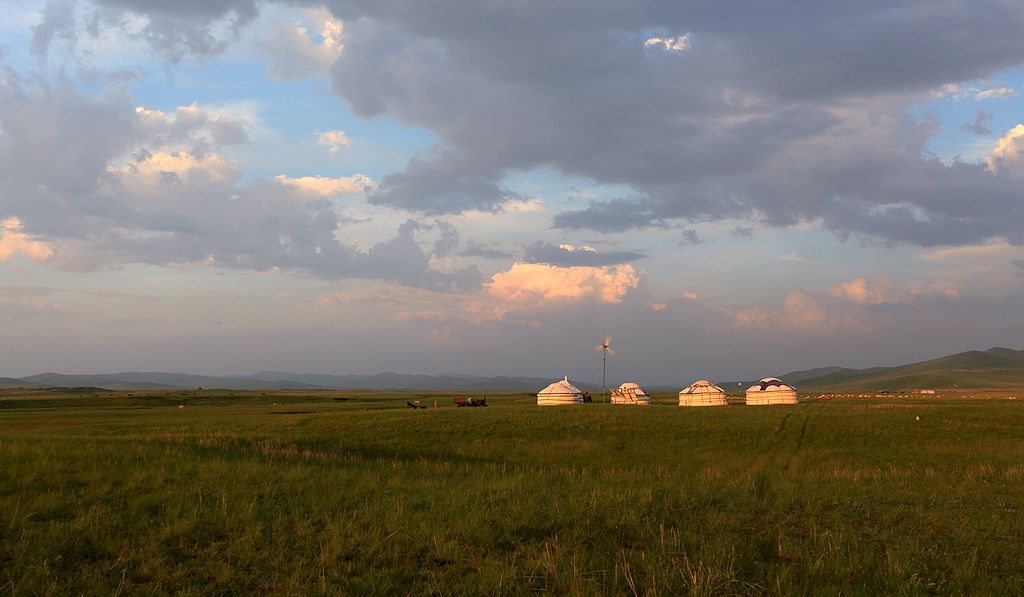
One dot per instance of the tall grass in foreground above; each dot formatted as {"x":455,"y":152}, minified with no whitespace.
{"x":822,"y":497}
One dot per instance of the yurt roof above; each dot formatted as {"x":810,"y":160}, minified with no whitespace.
{"x":700,"y":384}
{"x":769,"y":382}
{"x":633,"y":386}
{"x":562,"y":386}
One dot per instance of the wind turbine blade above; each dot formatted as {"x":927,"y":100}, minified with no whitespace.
{"x":607,"y":340}
{"x":598,"y":347}
{"x":611,"y":352}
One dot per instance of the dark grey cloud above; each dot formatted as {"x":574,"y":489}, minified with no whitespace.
{"x":542,"y":252}
{"x":173,"y":29}
{"x":773,"y":115}
{"x":610,"y":216}
{"x":720,"y":130}
{"x":689,"y":237}
{"x":979,"y":126}
{"x":58,"y":22}
{"x":743,"y":232}
{"x":448,"y":241}
{"x":476,"y":249}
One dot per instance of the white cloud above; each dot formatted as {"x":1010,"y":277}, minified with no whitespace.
{"x":690,"y":296}
{"x":573,"y":249}
{"x":294,"y":52}
{"x":950,"y":90}
{"x":679,"y":43}
{"x":323,"y":186}
{"x":194,"y":126}
{"x":334,"y":140}
{"x":1001,"y":92}
{"x":161,"y":170}
{"x":542,"y":283}
{"x":1008,"y":155}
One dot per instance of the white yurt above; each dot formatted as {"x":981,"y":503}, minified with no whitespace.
{"x":630,"y":393}
{"x":558,"y":393}
{"x":771,"y":390}
{"x":702,"y":393}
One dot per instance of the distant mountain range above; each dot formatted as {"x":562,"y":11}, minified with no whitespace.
{"x":992,"y":369}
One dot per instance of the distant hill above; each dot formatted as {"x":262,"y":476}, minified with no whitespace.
{"x":403,"y":381}
{"x":156,"y":380}
{"x":993,"y":369}
{"x":14,"y":382}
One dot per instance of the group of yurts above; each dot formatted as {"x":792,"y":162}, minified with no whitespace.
{"x":769,"y":390}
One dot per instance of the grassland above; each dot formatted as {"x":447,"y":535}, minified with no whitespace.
{"x":334,"y":492}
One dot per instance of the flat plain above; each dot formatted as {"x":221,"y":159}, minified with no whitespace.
{"x":355,"y":493}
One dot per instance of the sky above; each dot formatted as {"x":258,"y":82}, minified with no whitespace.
{"x":731,"y":192}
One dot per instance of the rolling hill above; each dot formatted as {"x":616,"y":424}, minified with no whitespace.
{"x":993,"y":369}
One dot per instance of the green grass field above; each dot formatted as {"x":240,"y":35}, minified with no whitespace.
{"x":335,"y":492}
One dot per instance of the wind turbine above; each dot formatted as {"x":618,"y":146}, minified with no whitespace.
{"x":605,"y":351}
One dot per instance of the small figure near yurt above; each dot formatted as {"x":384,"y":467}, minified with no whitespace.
{"x":630,"y":393}
{"x":562,"y":392}
{"x":702,"y":393}
{"x":771,"y":390}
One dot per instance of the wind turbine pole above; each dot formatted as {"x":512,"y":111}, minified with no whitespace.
{"x":604,"y":349}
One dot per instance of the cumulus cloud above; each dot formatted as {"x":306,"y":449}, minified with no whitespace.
{"x":152,"y":172}
{"x":334,"y":140}
{"x":108,"y":183}
{"x":567,"y":255}
{"x":324,"y":186}
{"x":948,"y":90}
{"x":523,"y":294}
{"x":1008,"y":155}
{"x":193,"y":126}
{"x":799,"y":311}
{"x":679,"y":43}
{"x":294,"y":52}
{"x":1001,"y":92}
{"x":859,"y":291}
{"x":15,"y":242}
{"x":541,"y":283}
